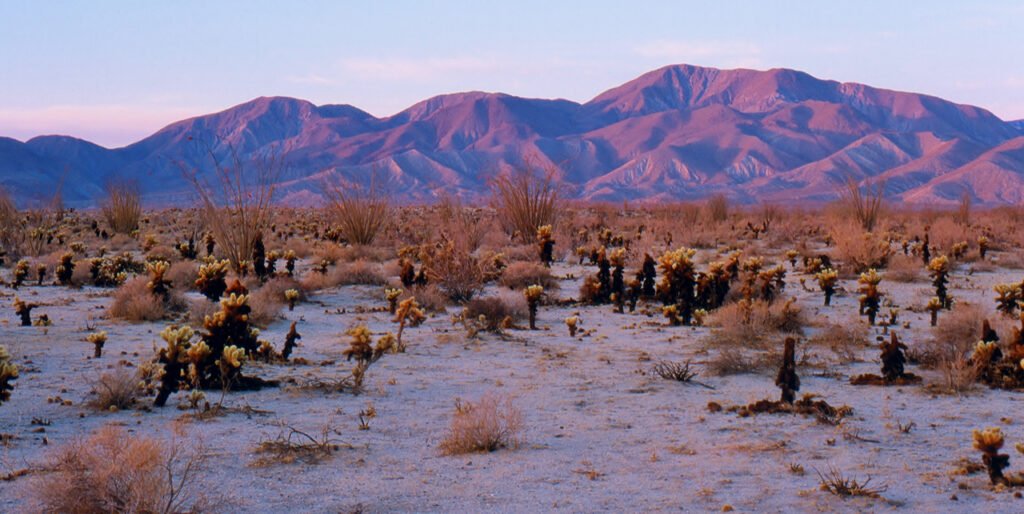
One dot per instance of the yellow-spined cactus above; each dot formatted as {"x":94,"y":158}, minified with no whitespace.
{"x":573,"y":323}
{"x":291,"y":296}
{"x":8,"y":372}
{"x":827,"y":280}
{"x":98,"y":339}
{"x":533,"y":294}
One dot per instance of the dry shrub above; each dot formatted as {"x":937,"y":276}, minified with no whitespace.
{"x":526,"y":199}
{"x":199,"y":309}
{"x":495,"y":310}
{"x":860,"y":251}
{"x":953,"y":340}
{"x":524,"y":252}
{"x":745,"y":341}
{"x":944,"y":233}
{"x":1010,"y":260}
{"x":490,"y":424}
{"x":115,"y":389}
{"x":458,"y":221}
{"x":429,"y":297}
{"x":163,"y":253}
{"x":845,"y":339}
{"x":459,"y":273}
{"x":122,"y":207}
{"x":904,"y":268}
{"x":183,"y":275}
{"x":346,"y":274}
{"x":717,"y":208}
{"x":267,"y":301}
{"x":133,"y":301}
{"x":113,"y":470}
{"x":519,"y":275}
{"x":864,"y":204}
{"x":9,"y":225}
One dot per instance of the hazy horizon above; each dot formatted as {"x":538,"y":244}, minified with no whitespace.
{"x":117,"y":73}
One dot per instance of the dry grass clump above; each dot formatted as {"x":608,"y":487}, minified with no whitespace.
{"x":744,"y":335}
{"x":113,"y":470}
{"x":117,"y":389}
{"x":268,"y":301}
{"x":904,"y":268}
{"x":519,"y":275}
{"x":429,"y":297}
{"x":496,"y":312}
{"x":860,"y":251}
{"x":835,"y":482}
{"x":122,"y":207}
{"x":953,"y":337}
{"x":844,"y":339}
{"x":490,"y":424}
{"x":183,"y":275}
{"x":133,"y":301}
{"x":346,"y":274}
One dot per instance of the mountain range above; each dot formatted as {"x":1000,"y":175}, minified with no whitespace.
{"x":676,"y":133}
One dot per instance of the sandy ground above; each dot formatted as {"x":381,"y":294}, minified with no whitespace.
{"x":603,"y":434}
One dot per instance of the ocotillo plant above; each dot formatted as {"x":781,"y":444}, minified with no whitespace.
{"x":870,"y":296}
{"x":98,"y":339}
{"x":787,"y":379}
{"x":533,"y":294}
{"x":66,"y":268}
{"x":827,"y":280}
{"x":8,"y":372}
{"x":545,"y":245}
{"x":938,"y":269}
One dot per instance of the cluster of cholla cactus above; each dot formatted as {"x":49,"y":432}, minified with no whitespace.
{"x":24,"y":311}
{"x":827,"y":279}
{"x":20,"y":273}
{"x":533,"y":294}
{"x":364,"y":352}
{"x":158,"y":283}
{"x":113,"y":271}
{"x":546,"y":245}
{"x":1008,"y":298}
{"x":211,"y":280}
{"x":215,"y":360}
{"x":97,"y":339}
{"x":870,"y":295}
{"x":678,"y":284}
{"x":989,"y":441}
{"x":66,"y":268}
{"x":1000,"y":367}
{"x":938,"y":269}
{"x":8,"y":372}
{"x":893,"y":362}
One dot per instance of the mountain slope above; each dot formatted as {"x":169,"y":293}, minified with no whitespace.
{"x":679,"y":132}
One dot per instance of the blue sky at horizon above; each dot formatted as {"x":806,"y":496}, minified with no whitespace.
{"x":115,"y":71}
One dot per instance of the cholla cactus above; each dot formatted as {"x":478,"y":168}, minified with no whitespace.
{"x":989,"y":442}
{"x":982,"y":246}
{"x":158,"y":284}
{"x":572,"y":322}
{"x":407,"y":313}
{"x":617,"y":259}
{"x":259,"y":255}
{"x":934,"y":306}
{"x":24,"y":311}
{"x":8,"y":372}
{"x":791,"y":256}
{"x":289,"y":262}
{"x":272,"y":258}
{"x":362,"y":350}
{"x":172,"y":358}
{"x":648,"y":272}
{"x":211,"y":243}
{"x":827,"y":280}
{"x":98,"y":339}
{"x":290,"y":342}
{"x":698,"y":317}
{"x":392,"y":295}
{"x":533,"y":294}
{"x":66,"y":268}
{"x":1007,"y":298}
{"x":211,"y":281}
{"x":20,"y":273}
{"x":545,"y":245}
{"x":40,"y":273}
{"x":938,"y":269}
{"x":672,"y":313}
{"x":958,"y":250}
{"x":787,"y":379}
{"x":229,"y":364}
{"x":870,"y":296}
{"x":772,"y":281}
{"x":291,"y":296}
{"x":149,"y":242}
